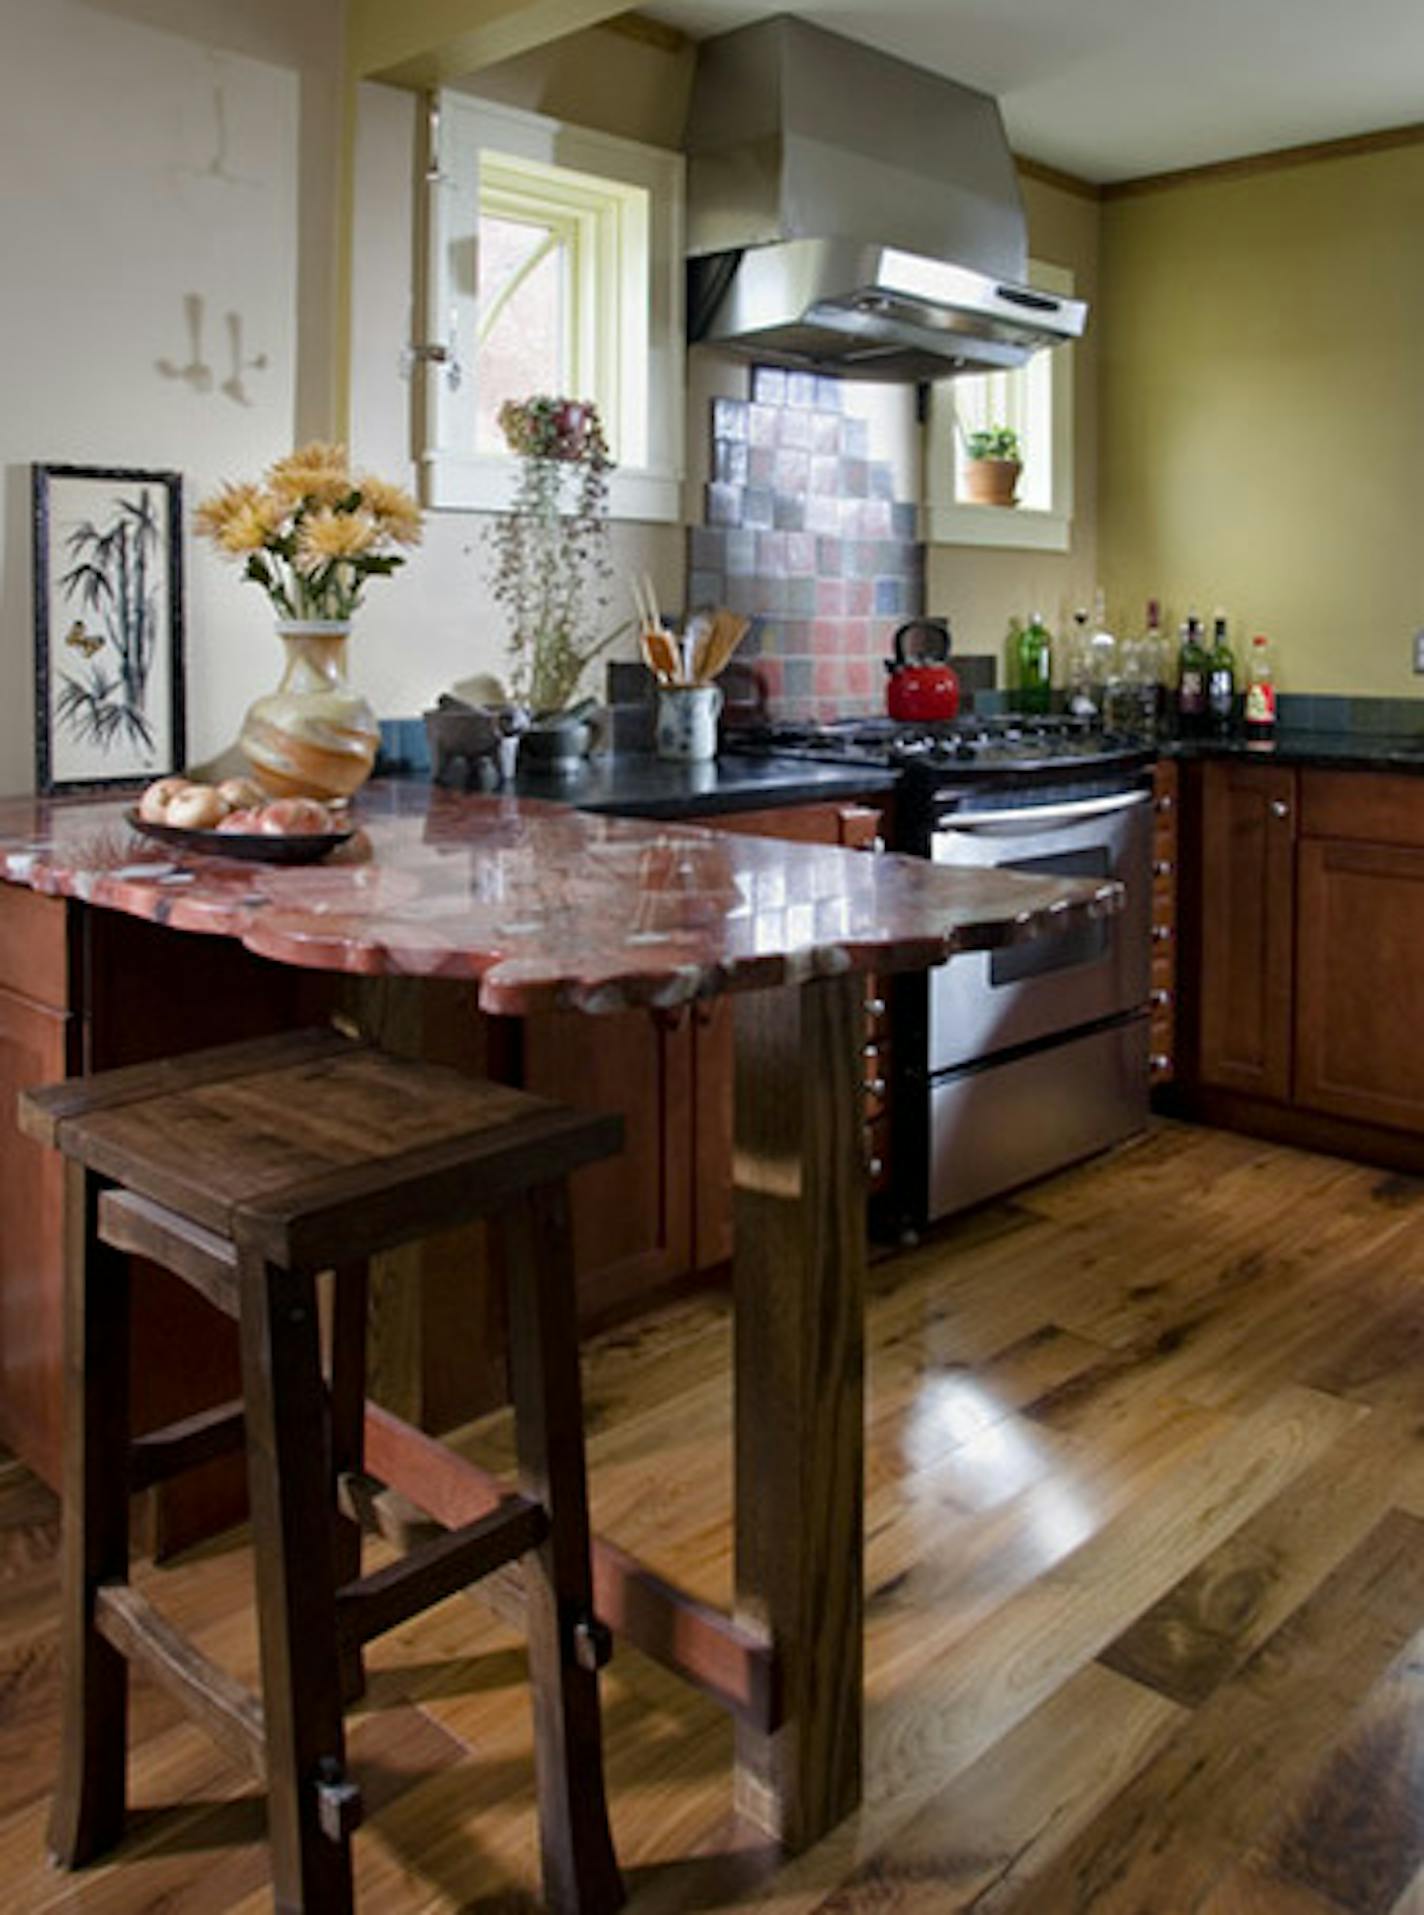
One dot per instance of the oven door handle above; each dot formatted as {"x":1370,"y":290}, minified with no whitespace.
{"x":1044,"y":817}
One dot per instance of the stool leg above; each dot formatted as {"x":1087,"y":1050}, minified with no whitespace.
{"x":288,"y":1452}
{"x":580,"y":1869}
{"x":347,"y":1383}
{"x":87,"y":1815}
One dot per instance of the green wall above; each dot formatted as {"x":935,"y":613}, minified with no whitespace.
{"x":1262,"y":410}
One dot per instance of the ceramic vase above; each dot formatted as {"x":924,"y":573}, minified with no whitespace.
{"x":313,"y":737}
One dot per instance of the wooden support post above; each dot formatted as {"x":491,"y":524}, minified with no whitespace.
{"x":799,"y":1288}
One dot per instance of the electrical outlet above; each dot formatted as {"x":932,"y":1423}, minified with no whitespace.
{"x":1419,"y":651}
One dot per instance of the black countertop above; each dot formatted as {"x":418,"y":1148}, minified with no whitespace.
{"x":638,"y":785}
{"x":1321,"y":750}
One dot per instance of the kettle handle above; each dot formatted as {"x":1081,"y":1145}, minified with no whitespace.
{"x":935,"y":653}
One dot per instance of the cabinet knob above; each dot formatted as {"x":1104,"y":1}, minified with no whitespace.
{"x":1279,"y":808}
{"x":1162,"y":867}
{"x":1159,"y":1061}
{"x":875,"y":1166}
{"x":875,"y":1007}
{"x":874,"y":1087}
{"x":1164,"y":803}
{"x":1160,"y":999}
{"x":1161,"y":933}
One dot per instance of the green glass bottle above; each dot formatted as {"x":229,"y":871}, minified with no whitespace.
{"x":1035,"y":663}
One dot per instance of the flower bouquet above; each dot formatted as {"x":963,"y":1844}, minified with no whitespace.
{"x":311,"y":534}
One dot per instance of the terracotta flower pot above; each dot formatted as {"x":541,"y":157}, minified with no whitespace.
{"x":992,"y":481}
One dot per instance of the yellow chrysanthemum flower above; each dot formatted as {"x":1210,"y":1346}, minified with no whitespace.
{"x":315,"y":471}
{"x":329,"y":535}
{"x":213,"y":515}
{"x":248,"y":528}
{"x":392,"y":507}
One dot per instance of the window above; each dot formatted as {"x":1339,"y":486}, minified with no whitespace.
{"x":555,"y":262}
{"x":1036,"y":400}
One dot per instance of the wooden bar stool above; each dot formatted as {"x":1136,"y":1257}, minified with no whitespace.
{"x":247,"y":1171}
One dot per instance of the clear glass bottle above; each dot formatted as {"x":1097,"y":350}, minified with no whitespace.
{"x":1081,"y":701}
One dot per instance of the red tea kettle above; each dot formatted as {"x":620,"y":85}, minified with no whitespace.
{"x":923,"y":684}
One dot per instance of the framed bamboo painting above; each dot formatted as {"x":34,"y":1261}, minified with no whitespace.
{"x":108,"y":599}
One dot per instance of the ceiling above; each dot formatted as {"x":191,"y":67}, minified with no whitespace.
{"x":1112,"y":89}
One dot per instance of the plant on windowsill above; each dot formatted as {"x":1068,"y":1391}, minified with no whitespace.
{"x":552,"y":571}
{"x":993,"y":462}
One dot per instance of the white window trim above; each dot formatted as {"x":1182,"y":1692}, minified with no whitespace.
{"x":951,"y":521}
{"x":455,"y":478}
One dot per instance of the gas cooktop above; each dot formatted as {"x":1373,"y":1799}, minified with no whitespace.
{"x":1014,"y":743}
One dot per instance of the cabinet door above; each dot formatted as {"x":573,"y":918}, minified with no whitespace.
{"x":632,"y":1215}
{"x":1360,"y":989}
{"x":1247,"y":928}
{"x":34,"y":1049}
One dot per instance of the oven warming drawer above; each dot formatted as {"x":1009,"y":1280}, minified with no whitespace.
{"x":995,"y":1128}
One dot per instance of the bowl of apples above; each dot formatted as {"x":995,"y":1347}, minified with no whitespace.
{"x":236,"y":819}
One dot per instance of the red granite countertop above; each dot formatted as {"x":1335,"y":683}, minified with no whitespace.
{"x":548,"y":908}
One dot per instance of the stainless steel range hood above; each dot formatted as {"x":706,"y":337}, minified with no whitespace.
{"x":852,"y":213}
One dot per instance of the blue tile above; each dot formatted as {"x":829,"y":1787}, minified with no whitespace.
{"x":799,"y":680}
{"x":788,"y":513}
{"x":724,"y":504}
{"x":705,"y":588}
{"x":828,"y":393}
{"x":730,"y":459}
{"x":905,"y":521}
{"x":729,"y":418}
{"x":801,"y":389}
{"x":855,"y":438}
{"x":889,"y":598}
{"x":707,"y":548}
{"x":756,"y":506}
{"x":801,"y":597}
{"x":769,"y":386}
{"x":740,"y":554}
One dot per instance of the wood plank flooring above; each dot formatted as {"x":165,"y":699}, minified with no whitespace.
{"x":1145,"y":1565}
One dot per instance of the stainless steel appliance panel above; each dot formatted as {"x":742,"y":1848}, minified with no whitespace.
{"x":993,"y":1130}
{"x":984,"y":1003}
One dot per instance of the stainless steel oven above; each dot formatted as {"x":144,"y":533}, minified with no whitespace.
{"x":1019,"y":1061}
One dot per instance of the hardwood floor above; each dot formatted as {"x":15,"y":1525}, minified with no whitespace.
{"x":1145,"y":1567}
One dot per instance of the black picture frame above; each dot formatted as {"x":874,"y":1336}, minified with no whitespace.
{"x":96,"y":726}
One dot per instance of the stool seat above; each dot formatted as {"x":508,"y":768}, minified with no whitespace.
{"x":248,"y":1172}
{"x":311,"y":1149}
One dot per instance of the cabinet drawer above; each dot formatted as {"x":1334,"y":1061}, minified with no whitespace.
{"x":34,"y":946}
{"x":1372,"y":807}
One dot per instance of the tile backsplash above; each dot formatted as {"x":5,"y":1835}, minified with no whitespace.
{"x":802,"y":532}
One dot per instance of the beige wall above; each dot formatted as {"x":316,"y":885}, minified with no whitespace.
{"x":1263,"y":410}
{"x":161,"y":157}
{"x":979,"y":589}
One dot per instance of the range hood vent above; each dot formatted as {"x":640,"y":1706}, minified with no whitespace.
{"x":854,"y":214}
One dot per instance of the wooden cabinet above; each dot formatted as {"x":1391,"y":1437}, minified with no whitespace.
{"x":1307,"y":898}
{"x":1360,"y":988}
{"x":34,"y":1049}
{"x":1247,"y":936}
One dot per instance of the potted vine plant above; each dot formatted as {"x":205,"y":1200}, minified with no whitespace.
{"x":552,"y":572}
{"x":992,"y":465}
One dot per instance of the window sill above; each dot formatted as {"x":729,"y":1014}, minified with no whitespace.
{"x":1012,"y":527}
{"x":487,"y":484}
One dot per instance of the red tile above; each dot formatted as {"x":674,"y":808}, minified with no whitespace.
{"x":827,"y":635}
{"x":830,"y":597}
{"x":860,"y":677}
{"x":800,"y":553}
{"x":830,"y":677}
{"x":768,"y":670}
{"x":860,"y":597}
{"x":761,"y":465}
